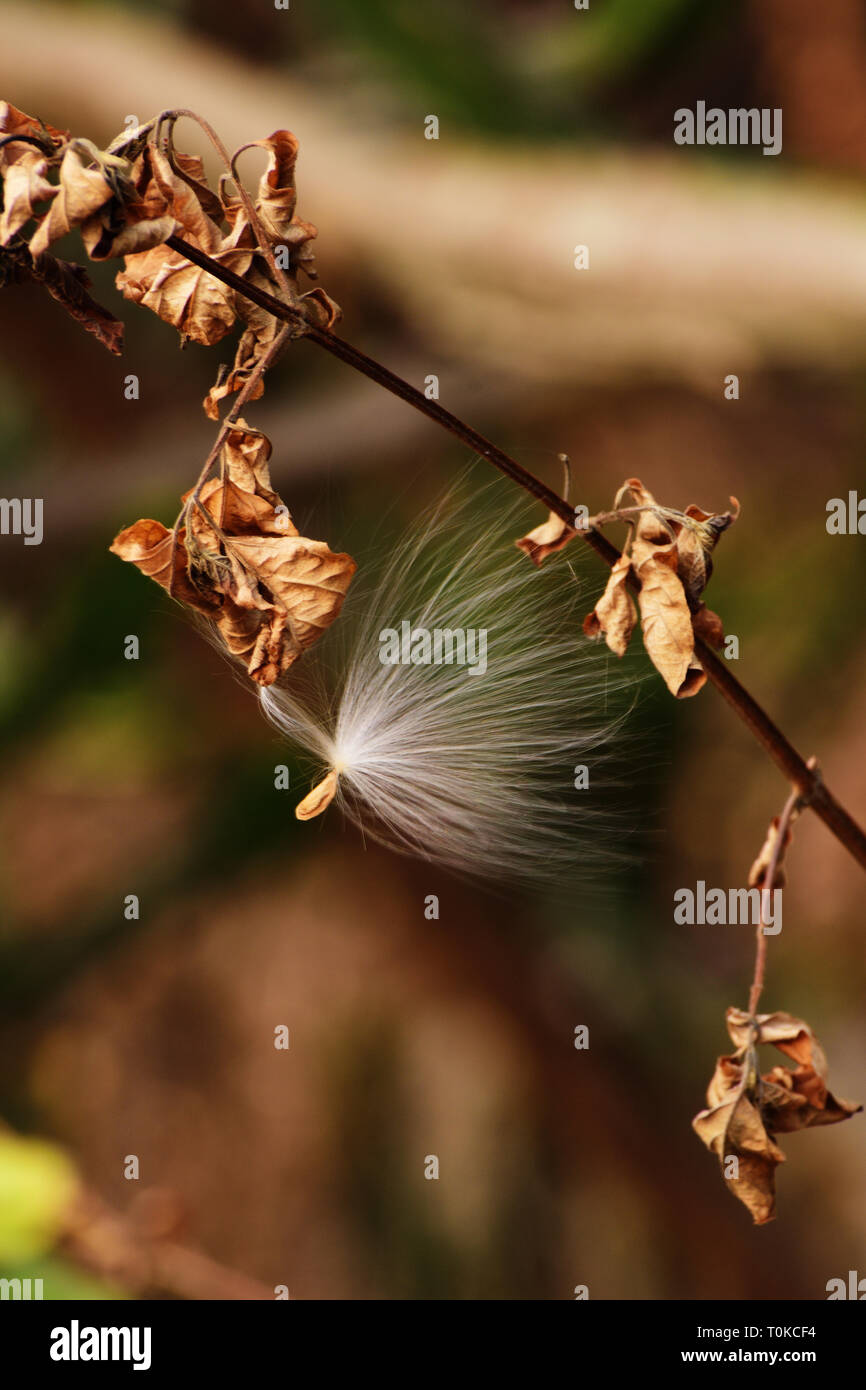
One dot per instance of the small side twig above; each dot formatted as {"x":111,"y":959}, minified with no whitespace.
{"x":767,"y":880}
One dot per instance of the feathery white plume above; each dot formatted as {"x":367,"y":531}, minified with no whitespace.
{"x":472,"y":765}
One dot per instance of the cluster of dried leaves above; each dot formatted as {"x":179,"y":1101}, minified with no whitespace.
{"x":130,"y":198}
{"x":240,"y":562}
{"x":234,"y":556}
{"x":667,"y":562}
{"x":747,"y":1110}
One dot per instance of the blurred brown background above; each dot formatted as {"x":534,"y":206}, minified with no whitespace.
{"x":408,"y":1037}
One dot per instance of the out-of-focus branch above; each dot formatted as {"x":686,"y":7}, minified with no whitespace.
{"x":138,"y":1253}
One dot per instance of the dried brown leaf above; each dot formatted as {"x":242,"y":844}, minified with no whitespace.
{"x":304,"y":576}
{"x":148,"y":545}
{"x":257,"y":339}
{"x":552,"y":535}
{"x":15,"y":122}
{"x":103,"y":242}
{"x":614,"y":614}
{"x":24,"y":186}
{"x":666,"y":622}
{"x":82,"y":191}
{"x":190,"y":168}
{"x":269,"y":592}
{"x":277,"y":195}
{"x":697,"y":536}
{"x":732,"y":1128}
{"x":651,"y":530}
{"x":245,"y":458}
{"x":745,"y":1111}
{"x":68,"y":284}
{"x":193,"y":301}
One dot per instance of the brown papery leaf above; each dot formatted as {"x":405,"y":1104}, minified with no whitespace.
{"x":23,"y":167}
{"x":665,"y":616}
{"x":800,"y":1099}
{"x":614,"y":614}
{"x":190,"y":168}
{"x":696,"y":539}
{"x":650,"y":529}
{"x":552,"y":535}
{"x":245,"y":458}
{"x":277,"y":195}
{"x":148,"y":545}
{"x":695,"y":533}
{"x":746,"y":1111}
{"x":317,"y":800}
{"x":255,"y":342}
{"x":667,"y":623}
{"x":15,"y":122}
{"x":305,"y":578}
{"x":103,"y":242}
{"x":68,"y":284}
{"x":732,"y":1128}
{"x":275,"y":207}
{"x":82,"y":191}
{"x":268,"y":592}
{"x":24,"y":185}
{"x":238,"y":512}
{"x":193,"y":301}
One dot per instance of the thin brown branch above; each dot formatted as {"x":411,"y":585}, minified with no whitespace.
{"x":791,"y":810}
{"x":121,"y":1249}
{"x":794,"y":767}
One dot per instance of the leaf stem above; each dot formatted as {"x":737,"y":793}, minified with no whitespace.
{"x":791,"y":810}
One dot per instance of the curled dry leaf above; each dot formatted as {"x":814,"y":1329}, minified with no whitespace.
{"x":732,"y":1128}
{"x":240,"y":562}
{"x":190,"y":168}
{"x":671,"y":554}
{"x":614,"y":614}
{"x":275,"y":206}
{"x":196,"y":303}
{"x":256,"y":340}
{"x":697,"y":534}
{"x":15,"y":122}
{"x":154,"y":549}
{"x":667,"y":623}
{"x":181,"y":293}
{"x":552,"y":535}
{"x":24,"y":186}
{"x":65,"y":282}
{"x":23,"y":167}
{"x":745,"y":1110}
{"x":82,"y":190}
{"x":277,"y":200}
{"x":68,"y":284}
